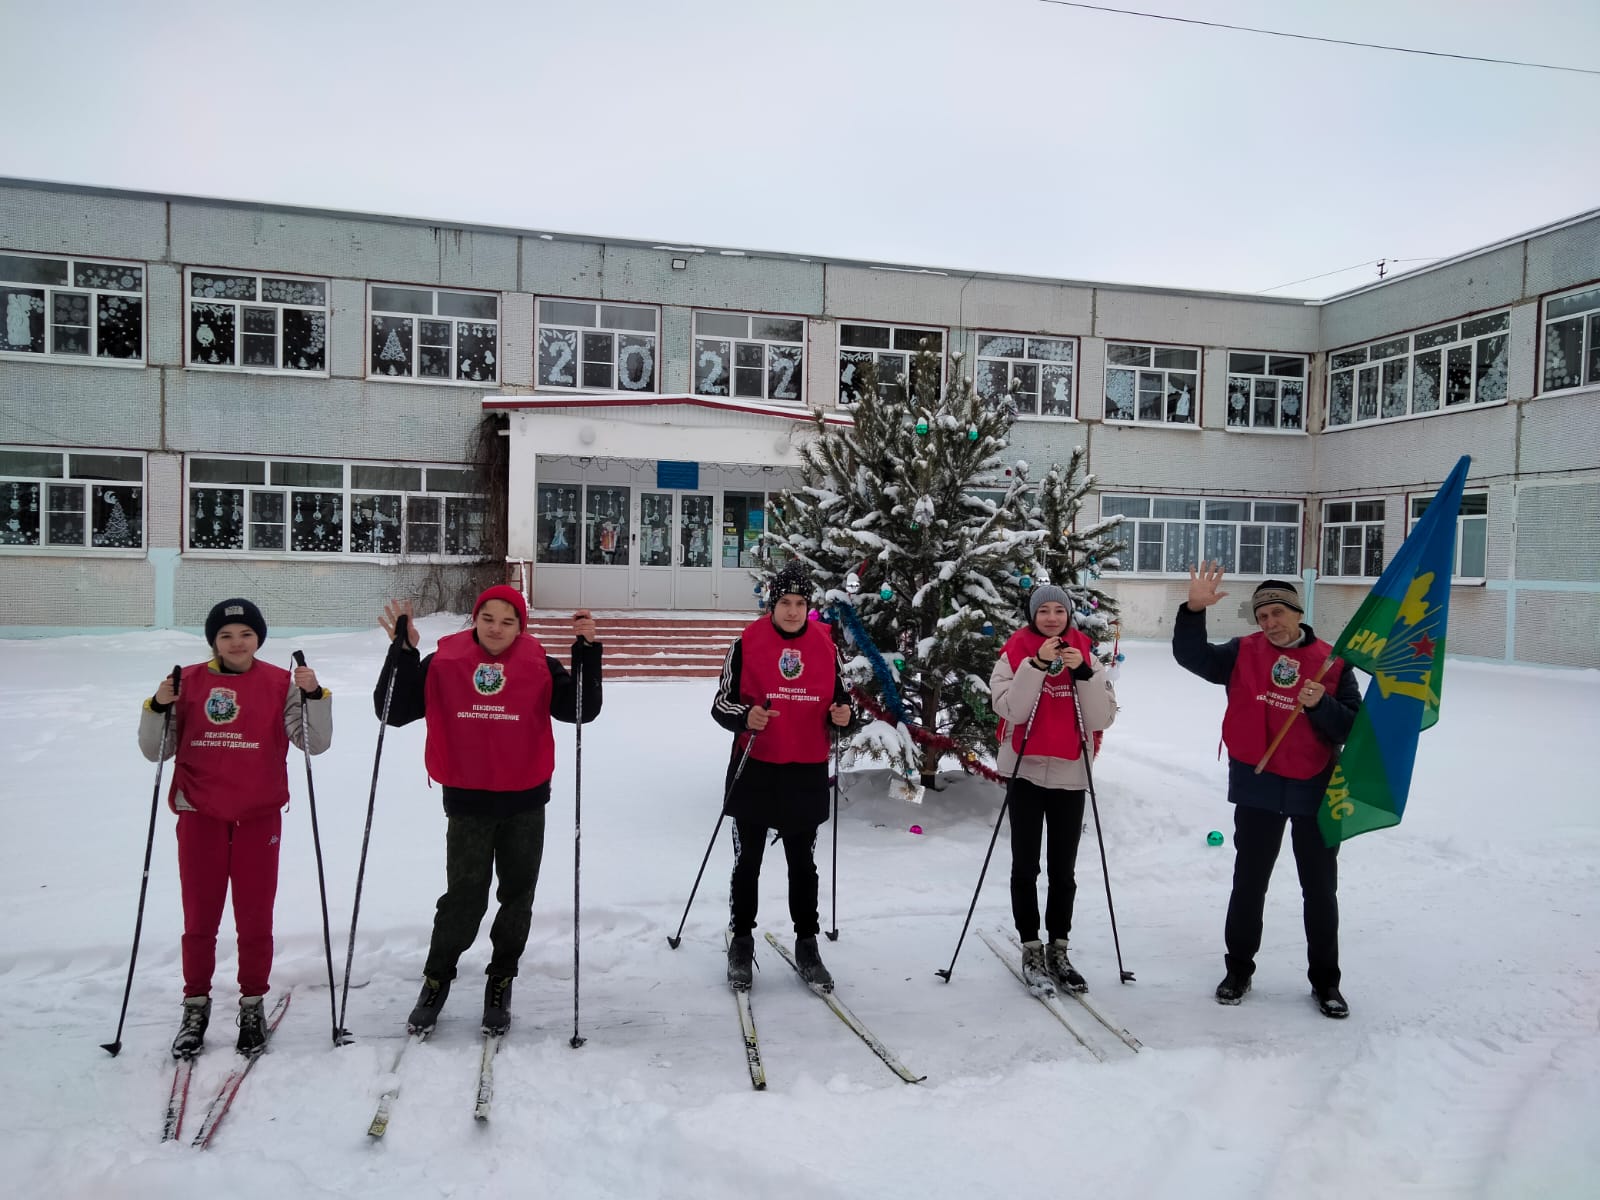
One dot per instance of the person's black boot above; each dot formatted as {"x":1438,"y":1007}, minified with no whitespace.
{"x":1331,"y":1002}
{"x":1232,"y":988}
{"x":741,"y":961}
{"x":497,"y":1005}
{"x":811,"y":968}
{"x":426,"y":1014}
{"x":1060,"y":968}
{"x":191,"y":1037}
{"x":252,"y":1025}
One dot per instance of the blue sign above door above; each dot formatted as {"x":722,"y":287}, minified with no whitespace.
{"x":677,"y":474}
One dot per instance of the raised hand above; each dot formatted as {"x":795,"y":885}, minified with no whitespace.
{"x":392,"y":612}
{"x":1203,"y":585}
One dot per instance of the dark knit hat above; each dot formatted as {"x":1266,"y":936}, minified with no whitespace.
{"x":793,"y":580}
{"x":1275,"y":591}
{"x":237,"y":611}
{"x":504,"y":591}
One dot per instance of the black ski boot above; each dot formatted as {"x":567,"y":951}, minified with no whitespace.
{"x":741,"y":961}
{"x":191,"y":1037}
{"x":1060,"y":968}
{"x":252,"y":1025}
{"x":1035,"y":971}
{"x":1232,"y":988}
{"x":426,"y":1014}
{"x":1332,"y":1003}
{"x":497,"y":1005}
{"x":811,"y":968}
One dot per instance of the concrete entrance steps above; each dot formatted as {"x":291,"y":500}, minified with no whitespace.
{"x":649,"y":646}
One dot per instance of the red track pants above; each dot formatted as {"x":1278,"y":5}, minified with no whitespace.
{"x":211,"y":855}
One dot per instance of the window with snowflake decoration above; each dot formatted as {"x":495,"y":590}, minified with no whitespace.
{"x":247,"y":322}
{"x":1169,"y":535}
{"x":886,"y":349}
{"x":1151,"y":384}
{"x":1571,"y":335}
{"x":433,"y":335}
{"x":583,"y":345}
{"x":71,"y":308}
{"x":1037,"y":372}
{"x":68,"y":499}
{"x":316,"y":506}
{"x":1267,"y":392}
{"x":749,"y":356}
{"x":1449,"y":366}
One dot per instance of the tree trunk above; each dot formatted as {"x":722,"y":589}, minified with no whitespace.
{"x":929,"y":717}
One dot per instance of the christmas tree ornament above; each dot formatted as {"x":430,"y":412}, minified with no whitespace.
{"x":922,"y":426}
{"x":1026,"y":582}
{"x":899,"y":663}
{"x":972,"y":433}
{"x":852,"y":583}
{"x":988,"y":629}
{"x":916,"y":829}
{"x":886,"y":592}
{"x":813,"y":615}
{"x":1214,"y":838}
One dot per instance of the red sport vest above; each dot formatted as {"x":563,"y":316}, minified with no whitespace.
{"x":1261,"y":695}
{"x":1055,"y":724}
{"x":799,"y":675}
{"x":488,"y":716}
{"x":232,"y":747}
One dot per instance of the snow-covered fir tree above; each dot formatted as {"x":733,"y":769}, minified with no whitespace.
{"x":1071,"y":557}
{"x":916,"y":504}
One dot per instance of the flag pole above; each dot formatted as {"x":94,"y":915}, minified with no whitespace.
{"x":1298,"y":709}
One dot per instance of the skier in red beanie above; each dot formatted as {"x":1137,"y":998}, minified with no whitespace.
{"x":488,"y":695}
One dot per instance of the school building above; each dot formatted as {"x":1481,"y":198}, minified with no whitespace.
{"x":201,"y":398}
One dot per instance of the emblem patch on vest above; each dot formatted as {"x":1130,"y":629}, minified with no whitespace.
{"x":789,"y":664}
{"x":1285,"y":672}
{"x":222,"y":706}
{"x":488,"y":678}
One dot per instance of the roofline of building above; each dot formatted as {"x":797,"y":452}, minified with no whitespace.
{"x":1454,"y":259}
{"x":505,"y":402}
{"x":667,"y":246}
{"x":787,"y":256}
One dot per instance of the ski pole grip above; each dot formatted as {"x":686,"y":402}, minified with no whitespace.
{"x":177,"y":678}
{"x":402,"y":632}
{"x":299,"y":657}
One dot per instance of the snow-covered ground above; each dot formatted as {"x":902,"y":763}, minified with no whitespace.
{"x":1470,"y":1065}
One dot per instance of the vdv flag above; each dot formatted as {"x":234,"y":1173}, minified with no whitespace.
{"x":1396,"y":636}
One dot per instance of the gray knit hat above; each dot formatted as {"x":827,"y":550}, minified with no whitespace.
{"x":1042,"y":595}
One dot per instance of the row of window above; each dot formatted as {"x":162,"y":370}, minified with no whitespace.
{"x":82,"y":309}
{"x":78,"y":500}
{"x":69,"y":500}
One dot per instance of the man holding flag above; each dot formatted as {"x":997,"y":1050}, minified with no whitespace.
{"x":1271,"y":677}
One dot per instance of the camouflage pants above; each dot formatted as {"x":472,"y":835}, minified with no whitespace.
{"x":476,"y":850}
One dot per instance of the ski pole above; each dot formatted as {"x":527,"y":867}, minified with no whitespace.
{"x":114,"y":1046}
{"x":833,"y":934}
{"x":728,"y":795}
{"x":577,"y":841}
{"x":339,"y":1037}
{"x":1105,"y":874}
{"x":993,"y":837}
{"x":401,"y":638}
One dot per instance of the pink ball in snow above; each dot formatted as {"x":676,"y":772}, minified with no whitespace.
{"x":916,"y":829}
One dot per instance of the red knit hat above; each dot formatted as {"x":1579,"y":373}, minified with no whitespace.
{"x":504,"y":591}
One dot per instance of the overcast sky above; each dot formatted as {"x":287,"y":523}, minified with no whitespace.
{"x":1000,"y":135}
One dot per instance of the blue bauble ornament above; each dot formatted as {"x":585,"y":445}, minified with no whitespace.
{"x":1026,"y":581}
{"x":886,"y":592}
